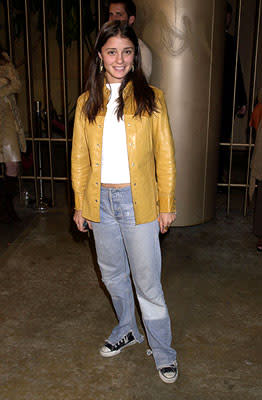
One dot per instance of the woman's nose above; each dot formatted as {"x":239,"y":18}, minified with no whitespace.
{"x":119,"y":58}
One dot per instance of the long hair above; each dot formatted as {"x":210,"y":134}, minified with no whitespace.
{"x":143,"y":93}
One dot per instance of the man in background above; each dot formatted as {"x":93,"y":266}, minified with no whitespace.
{"x":125,"y":10}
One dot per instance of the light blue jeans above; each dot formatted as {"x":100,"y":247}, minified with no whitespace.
{"x":122,"y":246}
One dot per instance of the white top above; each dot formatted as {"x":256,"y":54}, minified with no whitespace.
{"x":114,"y":167}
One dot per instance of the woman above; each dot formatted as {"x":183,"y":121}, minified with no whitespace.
{"x":12,"y":140}
{"x":123,"y":175}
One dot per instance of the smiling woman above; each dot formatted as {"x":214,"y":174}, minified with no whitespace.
{"x":123,"y":175}
{"x":117,"y":56}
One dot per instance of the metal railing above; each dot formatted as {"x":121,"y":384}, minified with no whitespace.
{"x":247,"y":146}
{"x":38,"y":135}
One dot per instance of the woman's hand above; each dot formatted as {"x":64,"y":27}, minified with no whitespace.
{"x":165,"y":220}
{"x":79,"y":220}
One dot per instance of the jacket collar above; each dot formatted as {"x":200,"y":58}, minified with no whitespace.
{"x":127,"y":90}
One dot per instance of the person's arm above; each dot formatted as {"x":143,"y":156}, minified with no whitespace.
{"x":80,"y":162}
{"x":165,"y":164}
{"x":146,"y":57}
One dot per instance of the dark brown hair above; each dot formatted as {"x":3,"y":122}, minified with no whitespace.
{"x":143,"y":93}
{"x":129,"y":5}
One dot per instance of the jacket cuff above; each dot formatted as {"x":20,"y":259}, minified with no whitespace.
{"x":167,"y":204}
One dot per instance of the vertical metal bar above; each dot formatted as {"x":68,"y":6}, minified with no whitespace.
{"x":209,"y":104}
{"x":30,"y":91}
{"x":81,"y":45}
{"x":238,"y":23}
{"x":38,"y":127}
{"x":10,"y":30}
{"x":42,"y":206}
{"x":253,"y":87}
{"x":65,"y":96}
{"x":47,"y":95}
{"x":99,"y":14}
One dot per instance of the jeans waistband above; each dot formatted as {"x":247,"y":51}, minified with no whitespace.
{"x":123,"y":189}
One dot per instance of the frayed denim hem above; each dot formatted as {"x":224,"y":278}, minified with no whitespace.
{"x":138,"y":340}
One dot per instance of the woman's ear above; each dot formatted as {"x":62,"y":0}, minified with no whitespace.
{"x":100,"y":55}
{"x":131,"y":20}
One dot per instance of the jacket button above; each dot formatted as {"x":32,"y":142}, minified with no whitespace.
{"x":97,"y":164}
{"x":128,"y":124}
{"x":96,"y":201}
{"x":134,"y":184}
{"x":133,"y":164}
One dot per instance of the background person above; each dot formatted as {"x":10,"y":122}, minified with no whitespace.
{"x":123,"y":175}
{"x":126,"y":11}
{"x":12,"y":140}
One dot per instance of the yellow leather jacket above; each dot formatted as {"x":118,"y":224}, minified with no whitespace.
{"x":150,"y":154}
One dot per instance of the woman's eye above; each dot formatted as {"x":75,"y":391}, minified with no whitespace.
{"x":128,"y":52}
{"x":111,"y":52}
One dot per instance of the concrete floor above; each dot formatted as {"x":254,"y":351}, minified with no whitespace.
{"x":55,"y":316}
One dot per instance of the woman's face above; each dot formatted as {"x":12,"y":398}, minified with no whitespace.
{"x":118,"y":56}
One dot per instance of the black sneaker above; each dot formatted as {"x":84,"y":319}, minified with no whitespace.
{"x":111,"y":350}
{"x":169,"y":374}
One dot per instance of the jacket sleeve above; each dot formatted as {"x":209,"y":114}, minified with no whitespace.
{"x":14,"y":83}
{"x":164,"y":152}
{"x":80,"y":160}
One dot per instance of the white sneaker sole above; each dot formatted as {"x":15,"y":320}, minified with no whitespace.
{"x":116,"y":352}
{"x":168,"y":380}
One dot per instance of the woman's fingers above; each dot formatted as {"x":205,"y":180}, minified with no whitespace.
{"x":165,"y":220}
{"x":79,"y":221}
{"x":163,"y":227}
{"x":89,"y":224}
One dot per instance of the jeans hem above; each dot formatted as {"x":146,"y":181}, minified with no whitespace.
{"x":166,"y":365}
{"x":138,"y":340}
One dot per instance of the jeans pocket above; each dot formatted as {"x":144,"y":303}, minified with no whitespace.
{"x":128,"y":212}
{"x":127,"y":209}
